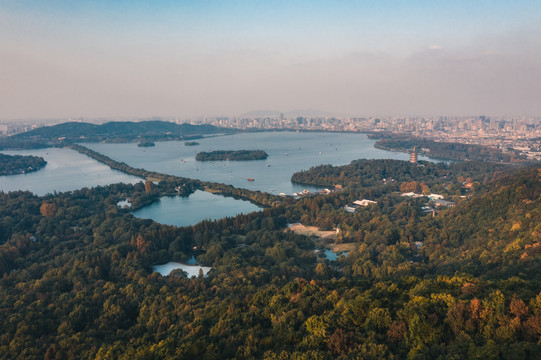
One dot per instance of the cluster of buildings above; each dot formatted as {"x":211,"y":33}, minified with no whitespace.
{"x":359,"y":203}
{"x":305,"y":192}
{"x":481,"y":126}
{"x":435,"y":202}
{"x":504,"y":132}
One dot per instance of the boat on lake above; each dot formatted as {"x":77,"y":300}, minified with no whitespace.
{"x":250,"y":179}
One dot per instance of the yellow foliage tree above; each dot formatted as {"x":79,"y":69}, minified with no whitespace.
{"x":47,"y":209}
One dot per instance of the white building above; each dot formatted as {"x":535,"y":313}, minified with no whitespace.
{"x":364,"y":202}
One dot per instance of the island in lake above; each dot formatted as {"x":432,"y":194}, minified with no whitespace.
{"x":191,"y":143}
{"x":146,"y":144}
{"x":221,"y":155}
{"x":19,"y":164}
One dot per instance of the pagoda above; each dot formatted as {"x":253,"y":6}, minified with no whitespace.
{"x":413,"y":156}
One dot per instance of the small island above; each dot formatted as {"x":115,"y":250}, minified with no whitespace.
{"x":146,"y":144}
{"x":233,"y":155}
{"x":19,"y":164}
{"x":191,"y":143}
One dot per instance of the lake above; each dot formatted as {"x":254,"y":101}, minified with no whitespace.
{"x":201,"y":205}
{"x":288,"y":152}
{"x":66,"y":170}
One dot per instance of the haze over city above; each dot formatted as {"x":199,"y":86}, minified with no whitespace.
{"x":167,"y":58}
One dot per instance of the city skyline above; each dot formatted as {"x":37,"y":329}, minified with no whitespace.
{"x":139,"y":59}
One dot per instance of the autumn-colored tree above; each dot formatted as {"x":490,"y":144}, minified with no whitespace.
{"x":396,"y":330}
{"x":339,"y":342}
{"x":47,"y":209}
{"x":519,"y":308}
{"x":413,"y":186}
{"x":469,"y":289}
{"x":475,"y":309}
{"x":51,"y":352}
{"x":316,"y":326}
{"x":322,"y":270}
{"x":148,"y":186}
{"x":142,"y":244}
{"x":456,"y":316}
{"x":533,"y":326}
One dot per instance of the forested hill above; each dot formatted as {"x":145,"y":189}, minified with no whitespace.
{"x":76,"y":279}
{"x":372,"y":172}
{"x":118,"y":131}
{"x":495,"y":235}
{"x":446,"y":150}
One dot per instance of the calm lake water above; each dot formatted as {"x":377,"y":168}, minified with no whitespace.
{"x":201,"y":205}
{"x":288,"y":152}
{"x":66,"y":170}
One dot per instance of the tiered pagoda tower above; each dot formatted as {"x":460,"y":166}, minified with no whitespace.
{"x":413,"y":156}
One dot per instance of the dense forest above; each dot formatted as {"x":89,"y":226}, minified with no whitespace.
{"x":445,"y":150}
{"x":9,"y":142}
{"x":19,"y":164}
{"x":76,"y":280}
{"x":233,"y":155}
{"x":376,"y":172}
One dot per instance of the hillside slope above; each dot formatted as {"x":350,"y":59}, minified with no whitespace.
{"x":494,"y":235}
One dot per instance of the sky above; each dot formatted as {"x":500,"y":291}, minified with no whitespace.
{"x":67,"y":58}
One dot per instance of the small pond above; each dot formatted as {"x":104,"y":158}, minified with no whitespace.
{"x":333,"y":256}
{"x":191,"y":270}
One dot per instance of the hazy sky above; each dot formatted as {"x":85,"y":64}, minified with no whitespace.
{"x":184,"y":58}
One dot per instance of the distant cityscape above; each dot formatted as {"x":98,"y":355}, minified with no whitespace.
{"x":516,"y":133}
{"x":521,"y":133}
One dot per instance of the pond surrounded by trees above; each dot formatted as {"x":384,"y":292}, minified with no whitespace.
{"x":190,"y":270}
{"x":199,"y":206}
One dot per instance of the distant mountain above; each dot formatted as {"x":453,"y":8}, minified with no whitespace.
{"x":309,"y":113}
{"x":117,"y":128}
{"x":261,"y":114}
{"x":118,"y":132}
